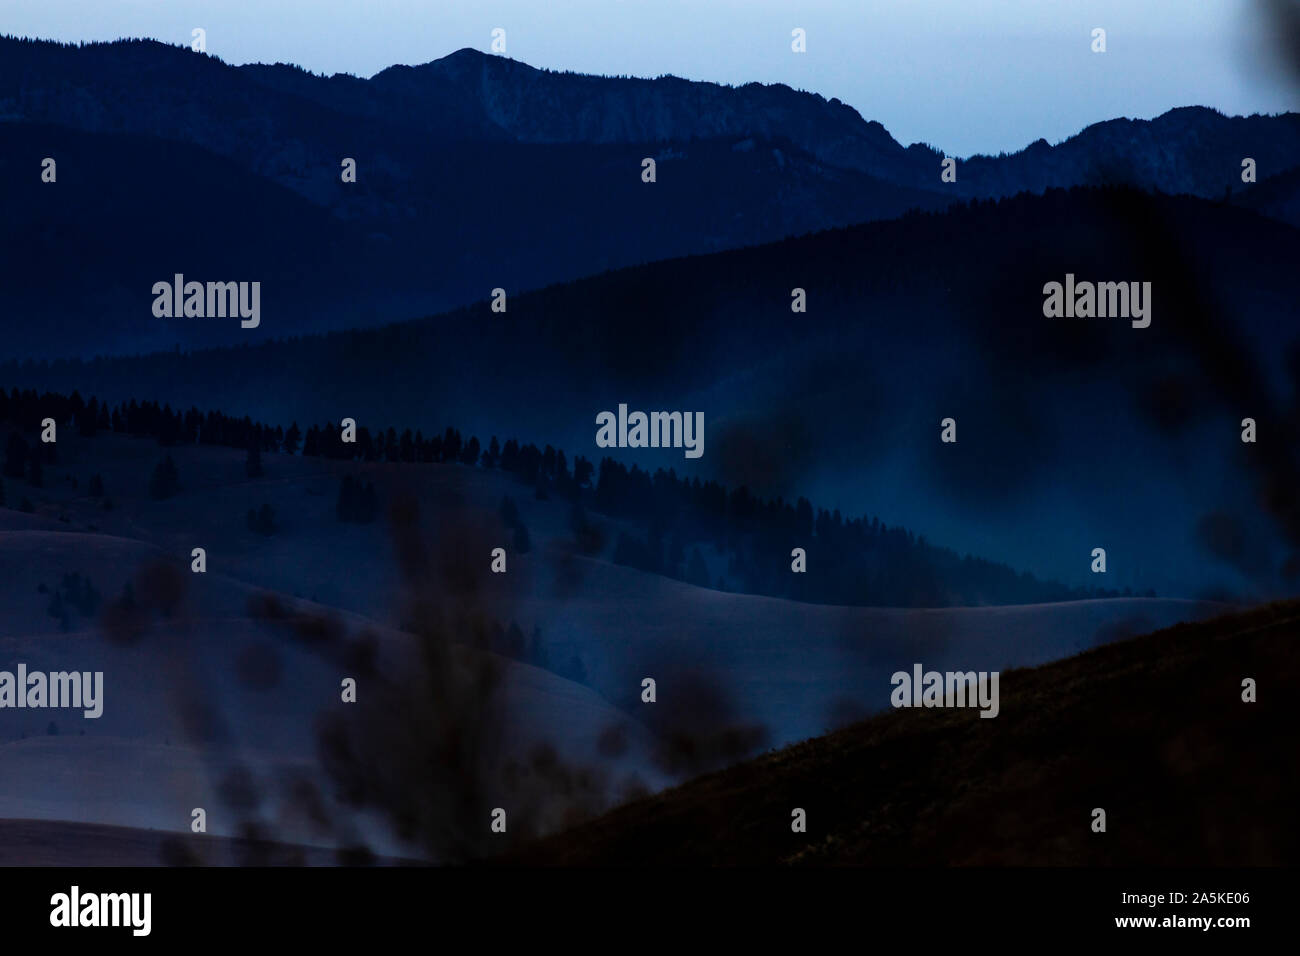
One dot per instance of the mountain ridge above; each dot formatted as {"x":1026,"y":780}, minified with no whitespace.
{"x":482,"y":79}
{"x":470,"y":166}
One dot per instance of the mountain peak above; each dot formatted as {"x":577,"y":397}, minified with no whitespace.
{"x":466,"y":54}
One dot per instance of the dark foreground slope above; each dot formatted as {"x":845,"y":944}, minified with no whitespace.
{"x":1153,"y":730}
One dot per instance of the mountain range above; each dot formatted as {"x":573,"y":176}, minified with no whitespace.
{"x":474,"y":172}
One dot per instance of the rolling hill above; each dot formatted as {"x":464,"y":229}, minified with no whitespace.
{"x":222,"y":689}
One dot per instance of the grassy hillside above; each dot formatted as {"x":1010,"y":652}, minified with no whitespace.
{"x":1153,"y":730}
{"x":794,"y":668}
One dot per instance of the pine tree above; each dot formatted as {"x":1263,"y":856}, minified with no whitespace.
{"x":469,"y":456}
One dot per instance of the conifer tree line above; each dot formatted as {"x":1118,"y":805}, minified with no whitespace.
{"x":671,"y":524}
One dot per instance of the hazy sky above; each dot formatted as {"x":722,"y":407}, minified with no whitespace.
{"x":963,"y":75}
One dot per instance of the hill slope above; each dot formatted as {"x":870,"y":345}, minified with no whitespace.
{"x":1152,"y":730}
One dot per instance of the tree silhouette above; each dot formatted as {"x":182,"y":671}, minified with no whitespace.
{"x":470,"y":454}
{"x":664,"y":517}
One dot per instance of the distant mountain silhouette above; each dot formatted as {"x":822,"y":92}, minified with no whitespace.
{"x":470,"y":96}
{"x":474,"y":172}
{"x":541,"y":106}
{"x":1192,"y":150}
{"x":1188,"y":150}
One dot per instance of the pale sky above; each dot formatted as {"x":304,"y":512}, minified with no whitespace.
{"x":963,"y":75}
